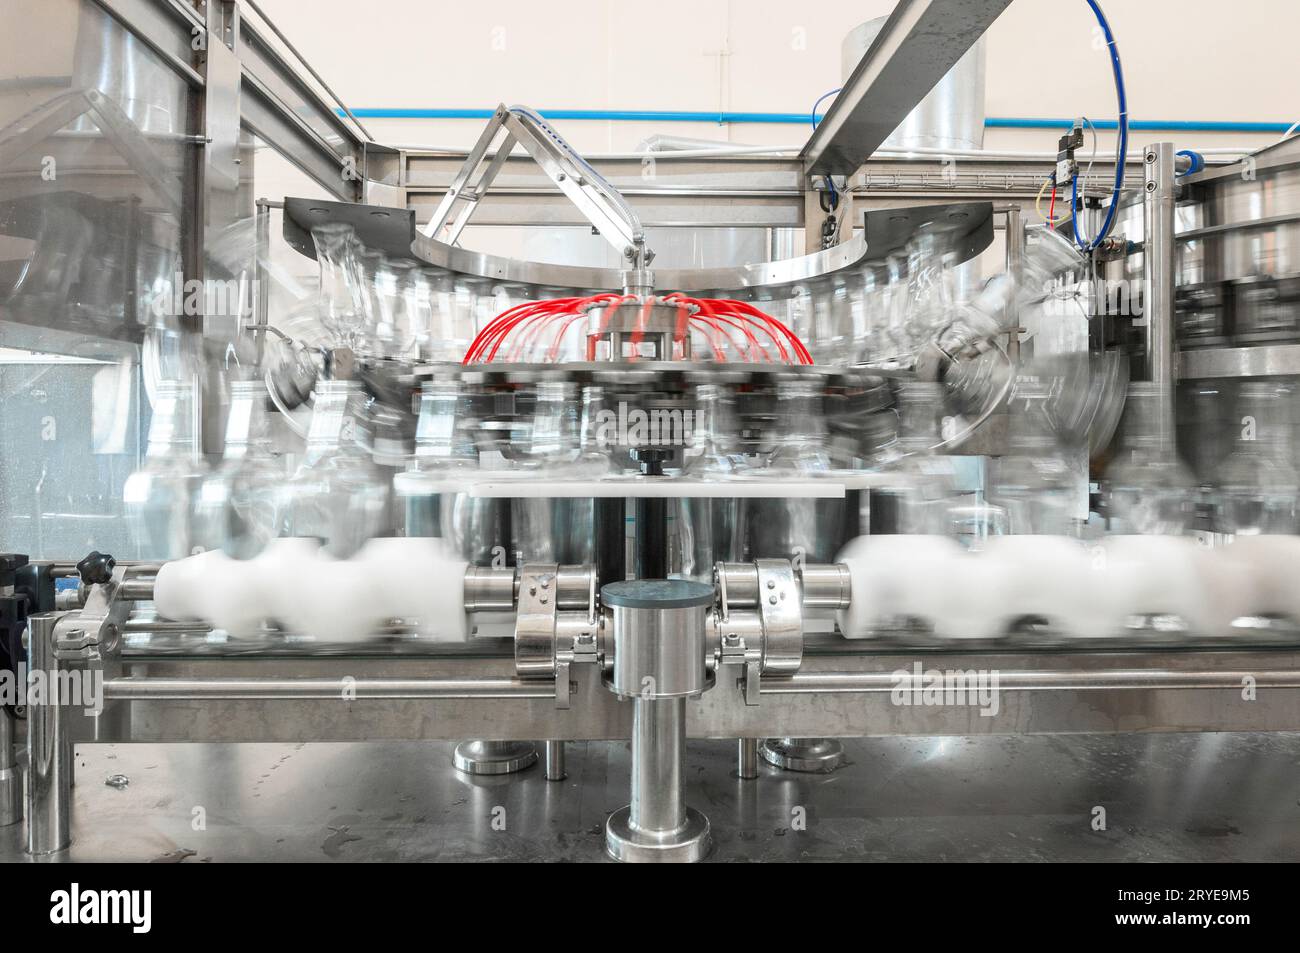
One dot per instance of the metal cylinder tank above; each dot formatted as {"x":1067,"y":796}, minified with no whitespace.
{"x":950,"y":117}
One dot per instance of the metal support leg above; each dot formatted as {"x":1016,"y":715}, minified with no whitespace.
{"x":555,"y":761}
{"x":11,"y":784}
{"x":1160,"y":270}
{"x":657,"y":825}
{"x":49,"y":747}
{"x":494,"y":757}
{"x":747,"y":759}
{"x":808,"y":755}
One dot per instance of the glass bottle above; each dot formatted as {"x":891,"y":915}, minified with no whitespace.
{"x":552,"y":529}
{"x":800,"y":440}
{"x":805,"y":527}
{"x":160,"y":496}
{"x":1257,"y":484}
{"x":239,"y":503}
{"x":1034,"y":483}
{"x":340,"y":296}
{"x":1147,"y":488}
{"x":920,"y":485}
{"x":339,"y":494}
{"x":381,"y":304}
{"x":444,"y":447}
{"x":709,"y":528}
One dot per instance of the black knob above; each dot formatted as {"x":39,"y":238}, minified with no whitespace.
{"x":11,"y":563}
{"x":652,"y":459}
{"x":97,"y":568}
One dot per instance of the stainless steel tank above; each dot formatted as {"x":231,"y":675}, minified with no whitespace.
{"x":951,"y":116}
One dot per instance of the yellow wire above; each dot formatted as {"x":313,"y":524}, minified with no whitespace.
{"x":1038,"y":206}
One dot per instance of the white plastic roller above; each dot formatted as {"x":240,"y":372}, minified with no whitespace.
{"x":296,"y":583}
{"x":211,"y":587}
{"x":280,"y":566}
{"x":1146,"y":576}
{"x":1037,"y":576}
{"x":417,"y":578}
{"x":895,"y":577}
{"x":1272,"y":564}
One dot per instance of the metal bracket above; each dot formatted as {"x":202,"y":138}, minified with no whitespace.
{"x":736,"y":649}
{"x":548,"y":640}
{"x":93,"y":635}
{"x":602,"y":204}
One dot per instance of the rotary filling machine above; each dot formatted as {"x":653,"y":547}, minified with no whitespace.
{"x":547,"y":501}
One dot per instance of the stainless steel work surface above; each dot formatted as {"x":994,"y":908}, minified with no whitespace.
{"x":1166,"y":797}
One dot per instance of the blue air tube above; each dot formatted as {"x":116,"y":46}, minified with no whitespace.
{"x":1122,"y":152}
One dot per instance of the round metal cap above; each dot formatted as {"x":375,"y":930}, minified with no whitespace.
{"x":656,"y":594}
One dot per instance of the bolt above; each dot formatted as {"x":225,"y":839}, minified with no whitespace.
{"x":772,"y":599}
{"x":771,"y":584}
{"x":1151,"y":186}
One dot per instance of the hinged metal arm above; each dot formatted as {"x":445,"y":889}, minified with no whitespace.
{"x":602,"y":204}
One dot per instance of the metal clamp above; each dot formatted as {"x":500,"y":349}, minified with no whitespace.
{"x":556,"y":625}
{"x":93,"y":636}
{"x":759,"y":619}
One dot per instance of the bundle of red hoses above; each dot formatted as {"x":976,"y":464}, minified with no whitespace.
{"x":749,"y":334}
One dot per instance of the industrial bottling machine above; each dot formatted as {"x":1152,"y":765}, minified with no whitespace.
{"x":771,"y":450}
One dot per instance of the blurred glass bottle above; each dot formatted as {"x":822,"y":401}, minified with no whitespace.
{"x":1257,"y":483}
{"x":444,"y":450}
{"x":160,"y":496}
{"x":239,"y":503}
{"x":709,"y":529}
{"x":341,"y":281}
{"x":920,"y":487}
{"x":339,"y":494}
{"x":1147,"y":489}
{"x":810,"y":528}
{"x":379,"y":304}
{"x":1034,"y":482}
{"x":553,"y":529}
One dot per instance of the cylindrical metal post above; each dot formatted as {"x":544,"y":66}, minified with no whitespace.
{"x":658,"y":639}
{"x":658,"y":765}
{"x":651,"y":538}
{"x":651,"y":521}
{"x":49,"y":782}
{"x":555,"y":770}
{"x":747,"y":759}
{"x":11,"y":785}
{"x":611,"y":539}
{"x":1015,"y":240}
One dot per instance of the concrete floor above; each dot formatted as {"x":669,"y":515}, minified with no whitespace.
{"x":1211,"y":797}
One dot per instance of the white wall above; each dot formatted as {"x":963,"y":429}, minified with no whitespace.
{"x":1184,"y":59}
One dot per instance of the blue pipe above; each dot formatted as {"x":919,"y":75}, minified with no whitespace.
{"x":1121,"y":147}
{"x":653,"y":115}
